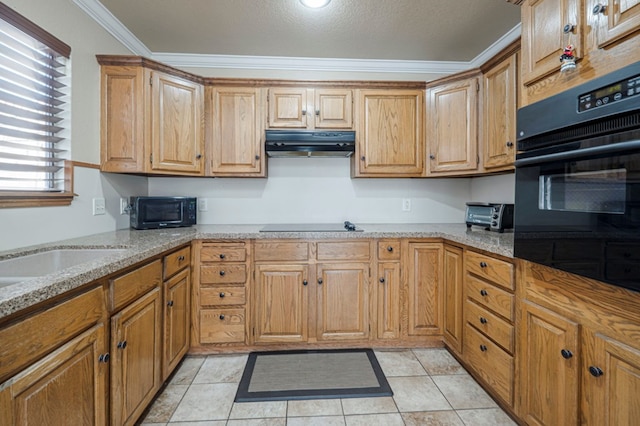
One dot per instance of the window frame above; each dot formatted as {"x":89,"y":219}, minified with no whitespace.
{"x":11,"y":199}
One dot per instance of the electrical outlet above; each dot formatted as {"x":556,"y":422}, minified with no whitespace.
{"x":98,"y":206}
{"x":406,"y":205}
{"x":202,"y":205}
{"x":124,"y":206}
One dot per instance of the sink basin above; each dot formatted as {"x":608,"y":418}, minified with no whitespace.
{"x":34,"y":265}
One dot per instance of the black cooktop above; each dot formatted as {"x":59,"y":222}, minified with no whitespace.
{"x":311,"y":227}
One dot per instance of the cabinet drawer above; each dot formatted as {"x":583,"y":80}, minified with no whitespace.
{"x":222,"y":325}
{"x":490,"y":296}
{"x":352,"y":250}
{"x":265,"y":251}
{"x":492,"y":364}
{"x":497,"y":271}
{"x":491,"y":325}
{"x":131,"y":286}
{"x":230,"y":252}
{"x":28,"y":340}
{"x":223,"y":274}
{"x":389,"y":250}
{"x":176,"y":261}
{"x":222,"y":295}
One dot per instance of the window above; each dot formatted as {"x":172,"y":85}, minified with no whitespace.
{"x":34,"y":91}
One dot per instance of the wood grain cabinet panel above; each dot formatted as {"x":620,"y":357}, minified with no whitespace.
{"x":453,"y":276}
{"x":222,"y":325}
{"x":333,"y":109}
{"x":423,"y":303}
{"x":491,"y":297}
{"x":390,"y":139}
{"x":288,"y":107}
{"x":619,"y":19}
{"x":388,"y":300}
{"x":306,"y":108}
{"x":177,"y":320}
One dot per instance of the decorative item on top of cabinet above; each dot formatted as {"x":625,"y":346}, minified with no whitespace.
{"x":220,"y":293}
{"x":452,"y":123}
{"x":177,"y":308}
{"x":489,"y":316}
{"x":151,"y":118}
{"x":500,"y":89}
{"x":390,"y":139}
{"x":605,"y":36}
{"x":453,"y":280}
{"x":235,"y":131}
{"x":387,"y":289}
{"x":305,"y":108}
{"x":422,"y":295}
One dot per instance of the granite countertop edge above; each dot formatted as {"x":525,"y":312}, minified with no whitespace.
{"x":136,"y":246}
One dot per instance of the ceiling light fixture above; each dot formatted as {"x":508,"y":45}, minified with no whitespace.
{"x":315,"y":3}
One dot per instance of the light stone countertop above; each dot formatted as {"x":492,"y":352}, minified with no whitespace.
{"x":140,"y":245}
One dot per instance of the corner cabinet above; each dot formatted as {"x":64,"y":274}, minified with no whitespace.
{"x":151,"y":121}
{"x":390,"y":139}
{"x":452,"y":122}
{"x":235,"y":131}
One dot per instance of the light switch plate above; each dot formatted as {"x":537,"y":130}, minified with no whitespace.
{"x":202,"y":205}
{"x":99,"y":206}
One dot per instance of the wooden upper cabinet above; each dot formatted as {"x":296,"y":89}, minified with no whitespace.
{"x":151,"y":122}
{"x":235,"y":131}
{"x":390,"y":141}
{"x":177,"y":141}
{"x":303,"y":108}
{"x":499,"y":114}
{"x":452,"y":120}
{"x":543,"y":23}
{"x":619,"y":19}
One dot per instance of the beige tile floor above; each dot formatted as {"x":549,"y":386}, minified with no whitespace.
{"x":429,"y":386}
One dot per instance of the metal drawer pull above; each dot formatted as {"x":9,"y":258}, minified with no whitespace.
{"x":595,"y":371}
{"x":221,"y":316}
{"x":170,"y":303}
{"x":221,"y":294}
{"x":222,"y":273}
{"x":104,"y":357}
{"x":483,"y":320}
{"x":566,"y":354}
{"x":320,"y":281}
{"x":381,"y":280}
{"x":483,"y":292}
{"x":222,"y":256}
{"x":389,"y":249}
{"x":305,"y":282}
{"x":483,"y":264}
{"x":180,"y":259}
{"x":483,"y":348}
{"x":122,"y":345}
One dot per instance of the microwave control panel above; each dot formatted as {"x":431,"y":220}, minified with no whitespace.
{"x":612,"y":93}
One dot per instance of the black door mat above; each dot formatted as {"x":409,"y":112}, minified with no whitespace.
{"x":313,"y":374}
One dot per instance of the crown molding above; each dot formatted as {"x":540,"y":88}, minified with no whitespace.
{"x":113,"y":26}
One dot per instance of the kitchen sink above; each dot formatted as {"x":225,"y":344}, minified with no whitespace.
{"x":34,"y":265}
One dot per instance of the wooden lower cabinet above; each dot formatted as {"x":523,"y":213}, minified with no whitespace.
{"x":343,"y":301}
{"x":387,"y":290}
{"x":281,"y":303}
{"x":423,"y":302}
{"x":136,"y":342}
{"x":67,"y":387}
{"x":453,"y":299}
{"x":177,"y":314}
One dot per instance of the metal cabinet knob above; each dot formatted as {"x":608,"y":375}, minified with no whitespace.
{"x":222,"y":273}
{"x":568,"y":28}
{"x":304,"y":112}
{"x":305,"y":282}
{"x":382,"y":280}
{"x":180,"y":259}
{"x":221,"y":316}
{"x":222,"y":294}
{"x":432,"y":157}
{"x":320,"y":281}
{"x":566,"y":353}
{"x":362,"y":158}
{"x":483,"y":320}
{"x":598,"y":8}
{"x":257,"y":157}
{"x":389,"y":249}
{"x":595,"y":371}
{"x":104,"y":357}
{"x":483,"y":264}
{"x":483,"y":292}
{"x":170,"y":303}
{"x":483,"y":348}
{"x":318,"y":112}
{"x":509,"y":144}
{"x":199,"y":156}
{"x":122,"y":345}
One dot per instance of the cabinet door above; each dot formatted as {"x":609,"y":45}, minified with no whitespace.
{"x":453,"y":125}
{"x":333,"y":109}
{"x":136,"y":354}
{"x":236,"y":128}
{"x":288,"y":107}
{"x":67,"y":387}
{"x":499,"y":122}
{"x":388,"y":298}
{"x":619,"y":19}
{"x":390,"y":138}
{"x":281,"y":303}
{"x":452,"y":288}
{"x":177,"y":302}
{"x":343,"y":301}
{"x":177,"y":141}
{"x":611,"y":382}
{"x":122,"y":111}
{"x":543,"y":39}
{"x":424,"y":301}
{"x":549,"y":375}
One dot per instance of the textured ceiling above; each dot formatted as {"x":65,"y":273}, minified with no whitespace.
{"x":425,"y":30}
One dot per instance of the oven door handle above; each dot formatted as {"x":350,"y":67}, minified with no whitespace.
{"x":596,"y":150}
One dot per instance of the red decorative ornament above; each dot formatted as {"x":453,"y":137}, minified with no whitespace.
{"x":567,"y":59}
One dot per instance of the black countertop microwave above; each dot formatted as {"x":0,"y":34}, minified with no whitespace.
{"x":162,"y":212}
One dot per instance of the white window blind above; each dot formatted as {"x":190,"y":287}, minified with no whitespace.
{"x":33,"y":106}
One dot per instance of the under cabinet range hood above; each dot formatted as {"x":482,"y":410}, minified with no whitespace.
{"x":310,"y":143}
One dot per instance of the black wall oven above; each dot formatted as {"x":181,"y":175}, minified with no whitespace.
{"x":577,"y":201}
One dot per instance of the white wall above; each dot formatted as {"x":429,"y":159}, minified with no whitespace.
{"x":494,"y":189}
{"x":25,"y":226}
{"x":302,"y":190}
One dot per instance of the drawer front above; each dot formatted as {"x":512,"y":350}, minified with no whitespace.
{"x":351,"y":250}
{"x":222,"y":325}
{"x":231,"y":252}
{"x":490,"y":296}
{"x":491,"y":325}
{"x":223,"y":274}
{"x":128,"y":287}
{"x":491,"y":363}
{"x":176,"y":261}
{"x":28,"y":340}
{"x":389,"y":250}
{"x":497,"y":271}
{"x":222,"y":295}
{"x":265,"y":251}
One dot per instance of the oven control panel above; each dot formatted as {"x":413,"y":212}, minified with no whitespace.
{"x":609,"y":94}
